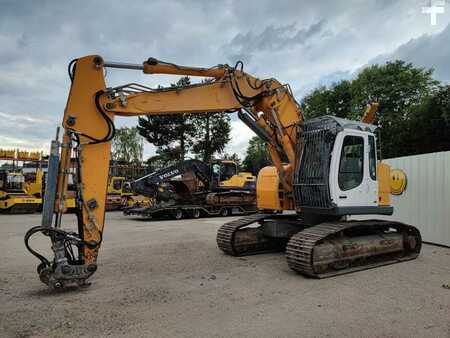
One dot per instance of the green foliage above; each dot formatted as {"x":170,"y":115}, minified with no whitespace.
{"x":164,"y":157}
{"x":256,"y":157}
{"x":127,"y":145}
{"x":329,"y":101}
{"x":175,"y":136}
{"x":400,"y":88}
{"x":429,"y":124}
{"x":213,"y":134}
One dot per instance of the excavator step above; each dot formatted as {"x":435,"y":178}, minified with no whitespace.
{"x":336,"y":248}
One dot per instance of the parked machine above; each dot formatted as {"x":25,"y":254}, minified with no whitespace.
{"x":118,"y":190}
{"x":193,"y":188}
{"x":14,"y":198}
{"x":331,"y":172}
{"x":35,"y":186}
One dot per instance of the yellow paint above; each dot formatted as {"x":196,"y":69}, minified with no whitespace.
{"x":267,"y":187}
{"x":398,"y":181}
{"x":369,"y":114}
{"x":35,"y":187}
{"x":89,"y":79}
{"x":10,"y":198}
{"x":116,"y":186}
{"x":384,"y":189}
{"x":239,"y":180}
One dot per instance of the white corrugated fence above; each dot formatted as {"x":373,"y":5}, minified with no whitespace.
{"x":426,"y":201}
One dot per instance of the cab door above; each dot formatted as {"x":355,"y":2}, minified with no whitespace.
{"x":350,"y":182}
{"x":372,"y":171}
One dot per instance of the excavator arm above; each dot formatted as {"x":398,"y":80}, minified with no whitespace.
{"x":148,"y":184}
{"x":266,"y":106}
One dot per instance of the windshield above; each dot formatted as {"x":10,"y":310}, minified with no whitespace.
{"x":227,"y":171}
{"x":14,"y":182}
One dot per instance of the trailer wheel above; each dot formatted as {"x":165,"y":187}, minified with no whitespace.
{"x":224,"y":212}
{"x":178,"y":214}
{"x":196,"y":213}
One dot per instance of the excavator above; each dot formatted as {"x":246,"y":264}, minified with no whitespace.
{"x":193,"y":188}
{"x":325,"y":173}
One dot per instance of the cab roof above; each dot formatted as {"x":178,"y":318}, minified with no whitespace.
{"x":344,"y":123}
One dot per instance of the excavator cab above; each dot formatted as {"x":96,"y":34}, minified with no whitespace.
{"x":337,"y":174}
{"x":223,"y":170}
{"x":12,"y":182}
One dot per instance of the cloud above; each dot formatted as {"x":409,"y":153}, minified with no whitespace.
{"x":272,"y":38}
{"x":25,"y":131}
{"x":302,"y":43}
{"x":240,"y":135}
{"x":428,"y":50}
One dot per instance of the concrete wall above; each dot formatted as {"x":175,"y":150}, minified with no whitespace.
{"x":426,"y":201}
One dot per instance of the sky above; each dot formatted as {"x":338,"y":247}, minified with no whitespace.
{"x":303,"y":43}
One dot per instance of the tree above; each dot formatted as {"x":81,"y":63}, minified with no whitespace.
{"x":429,"y":124}
{"x":127,"y":145}
{"x":256,"y":156}
{"x":213,"y":134}
{"x":335,"y":100}
{"x":399,"y":87}
{"x":171,"y":134}
{"x":175,"y":136}
{"x":163,"y":158}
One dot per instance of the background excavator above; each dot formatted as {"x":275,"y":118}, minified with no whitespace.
{"x":192,"y":188}
{"x":331,"y":173}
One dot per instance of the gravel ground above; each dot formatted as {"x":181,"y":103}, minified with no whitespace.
{"x":168,"y":279}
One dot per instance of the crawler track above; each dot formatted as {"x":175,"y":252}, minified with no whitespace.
{"x":236,"y":240}
{"x":351,"y":256}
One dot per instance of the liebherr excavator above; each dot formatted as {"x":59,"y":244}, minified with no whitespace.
{"x":331,"y":173}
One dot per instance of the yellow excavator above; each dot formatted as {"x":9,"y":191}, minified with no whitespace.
{"x":331,"y":172}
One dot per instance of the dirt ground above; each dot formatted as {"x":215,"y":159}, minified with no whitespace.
{"x":168,"y":279}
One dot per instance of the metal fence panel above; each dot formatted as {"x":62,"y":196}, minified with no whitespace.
{"x":426,"y":201}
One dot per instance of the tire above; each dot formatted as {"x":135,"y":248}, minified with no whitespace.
{"x":196,"y":213}
{"x":178,"y":214}
{"x":224,"y":212}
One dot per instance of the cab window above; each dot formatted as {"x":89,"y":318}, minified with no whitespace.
{"x":352,"y":162}
{"x":227,"y":171}
{"x":117,"y":184}
{"x":372,"y":158}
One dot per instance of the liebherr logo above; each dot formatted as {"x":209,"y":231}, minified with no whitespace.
{"x":436,"y":7}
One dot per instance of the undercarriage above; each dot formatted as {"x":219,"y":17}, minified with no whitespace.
{"x":325,"y":249}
